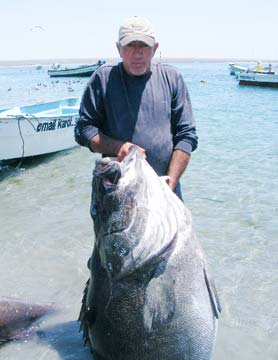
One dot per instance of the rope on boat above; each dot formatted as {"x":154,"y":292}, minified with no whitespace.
{"x":19,"y":118}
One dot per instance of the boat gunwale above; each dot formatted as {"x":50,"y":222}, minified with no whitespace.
{"x":30,"y":115}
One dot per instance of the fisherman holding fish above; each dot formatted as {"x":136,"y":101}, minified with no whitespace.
{"x":150,"y":294}
{"x":138,"y":102}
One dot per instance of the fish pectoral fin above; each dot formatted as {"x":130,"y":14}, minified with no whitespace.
{"x":159,"y":304}
{"x":214,"y":298}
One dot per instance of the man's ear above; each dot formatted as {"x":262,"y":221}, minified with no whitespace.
{"x":155,"y":47}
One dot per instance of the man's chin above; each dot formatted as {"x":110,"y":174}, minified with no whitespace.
{"x":138,"y":71}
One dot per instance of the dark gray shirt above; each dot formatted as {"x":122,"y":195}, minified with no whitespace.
{"x":153,"y":111}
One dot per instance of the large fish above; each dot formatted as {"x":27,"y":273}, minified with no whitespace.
{"x":17,"y":319}
{"x":149,"y":296}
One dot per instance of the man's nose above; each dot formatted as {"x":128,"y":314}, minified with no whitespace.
{"x":138,"y":49}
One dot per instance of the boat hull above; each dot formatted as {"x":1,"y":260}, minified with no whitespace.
{"x":65,"y":73}
{"x":258,"y":83}
{"x":263,"y":80}
{"x":35,"y":137}
{"x":84,"y":70}
{"x":31,"y":134}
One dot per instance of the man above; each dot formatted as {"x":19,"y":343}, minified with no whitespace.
{"x":137,"y":102}
{"x":259,"y":67}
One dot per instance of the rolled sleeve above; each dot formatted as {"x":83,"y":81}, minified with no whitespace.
{"x":83,"y":134}
{"x":184,"y":146}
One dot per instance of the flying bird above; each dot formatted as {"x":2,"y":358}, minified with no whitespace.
{"x":37,"y":27}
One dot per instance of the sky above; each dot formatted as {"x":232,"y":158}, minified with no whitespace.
{"x":53,"y":29}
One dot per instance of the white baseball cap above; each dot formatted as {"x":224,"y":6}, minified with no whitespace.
{"x":136,"y":28}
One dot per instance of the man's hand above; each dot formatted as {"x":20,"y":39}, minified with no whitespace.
{"x":171,"y":182}
{"x":124,"y":150}
{"x":104,"y":144}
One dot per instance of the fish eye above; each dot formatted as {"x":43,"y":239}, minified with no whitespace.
{"x":94,"y":209}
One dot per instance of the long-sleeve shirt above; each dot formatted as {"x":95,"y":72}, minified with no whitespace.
{"x":152,"y":110}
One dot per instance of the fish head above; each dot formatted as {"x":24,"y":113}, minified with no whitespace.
{"x":132,"y":213}
{"x":118,"y":188}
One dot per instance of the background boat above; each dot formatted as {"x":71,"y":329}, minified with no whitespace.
{"x":236,"y":69}
{"x":258,"y":79}
{"x":83,"y":70}
{"x":38,"y":129}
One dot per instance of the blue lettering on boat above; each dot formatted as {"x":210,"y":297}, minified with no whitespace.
{"x":64,"y":123}
{"x":46,"y":126}
{"x":56,"y":124}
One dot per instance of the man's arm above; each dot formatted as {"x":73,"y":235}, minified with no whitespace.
{"x":178,"y":164}
{"x":104,"y":144}
{"x":185,"y":139}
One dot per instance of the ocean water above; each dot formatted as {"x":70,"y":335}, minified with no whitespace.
{"x":46,"y":233}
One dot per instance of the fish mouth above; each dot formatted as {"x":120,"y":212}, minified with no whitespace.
{"x":109,"y":171}
{"x":117,"y":231}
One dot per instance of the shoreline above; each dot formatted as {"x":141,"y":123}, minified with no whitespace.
{"x":36,"y":62}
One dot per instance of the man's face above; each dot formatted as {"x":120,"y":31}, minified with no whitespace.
{"x":137,"y":57}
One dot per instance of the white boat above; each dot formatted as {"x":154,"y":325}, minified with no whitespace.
{"x":236,"y":69}
{"x":83,"y":70}
{"x":38,"y":129}
{"x":259,"y":79}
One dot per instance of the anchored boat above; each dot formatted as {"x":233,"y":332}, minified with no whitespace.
{"x":236,"y":69}
{"x":38,"y":129}
{"x":258,"y":79}
{"x":83,"y":70}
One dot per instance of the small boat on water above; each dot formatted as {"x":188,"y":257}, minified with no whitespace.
{"x":83,"y":70}
{"x":258,"y":79}
{"x":236,"y":69}
{"x":38,"y":129}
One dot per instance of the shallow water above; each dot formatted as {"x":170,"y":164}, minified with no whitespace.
{"x":230,"y":186}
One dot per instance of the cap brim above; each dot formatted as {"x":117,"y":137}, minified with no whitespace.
{"x":137,"y":37}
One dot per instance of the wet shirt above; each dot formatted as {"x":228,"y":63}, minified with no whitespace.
{"x":152,"y":110}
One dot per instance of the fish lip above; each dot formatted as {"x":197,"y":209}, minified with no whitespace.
{"x":109,"y":171}
{"x":114,"y":232}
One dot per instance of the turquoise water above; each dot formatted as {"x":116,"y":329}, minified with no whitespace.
{"x":230,"y":186}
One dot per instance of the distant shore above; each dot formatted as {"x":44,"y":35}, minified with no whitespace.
{"x":35,"y":62}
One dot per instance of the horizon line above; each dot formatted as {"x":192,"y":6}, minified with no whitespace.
{"x":117,"y":59}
